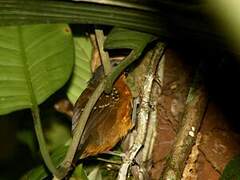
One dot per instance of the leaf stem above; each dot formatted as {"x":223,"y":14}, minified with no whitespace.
{"x":103,"y":54}
{"x":42,"y":144}
{"x":66,"y":164}
{"x":34,"y":108}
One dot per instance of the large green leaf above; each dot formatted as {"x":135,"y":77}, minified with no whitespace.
{"x":129,"y":39}
{"x":28,"y":11}
{"x":168,"y":19}
{"x":82,"y":69}
{"x":35,"y":61}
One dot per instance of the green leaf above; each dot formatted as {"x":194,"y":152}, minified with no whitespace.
{"x":57,"y":132}
{"x":35,"y":61}
{"x":79,"y":173}
{"x":27,"y":12}
{"x":82,"y":69}
{"x":95,"y":174}
{"x":27,"y":137}
{"x":232,"y":169}
{"x":40,"y":172}
{"x":120,"y":38}
{"x":168,"y":19}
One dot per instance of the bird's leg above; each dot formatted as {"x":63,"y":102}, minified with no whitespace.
{"x":114,"y":153}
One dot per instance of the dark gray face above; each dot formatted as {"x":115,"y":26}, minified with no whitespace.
{"x":99,"y":73}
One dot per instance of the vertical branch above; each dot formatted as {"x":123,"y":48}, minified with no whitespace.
{"x":157,"y":91}
{"x":146,"y":152}
{"x":194,"y":112}
{"x":66,"y":164}
{"x":143,"y":115}
{"x":104,"y":55}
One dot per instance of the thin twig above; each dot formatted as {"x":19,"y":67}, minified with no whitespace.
{"x":118,"y":154}
{"x":103,"y":55}
{"x":194,"y":111}
{"x":55,"y":178}
{"x":109,"y":161}
{"x":143,"y":115}
{"x":96,"y":60}
{"x":66,"y":164}
{"x":152,"y":125}
{"x":146,"y":152}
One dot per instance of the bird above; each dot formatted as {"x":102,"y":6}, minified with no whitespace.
{"x":110,"y":119}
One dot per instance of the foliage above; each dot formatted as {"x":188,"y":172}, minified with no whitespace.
{"x":38,"y":11}
{"x":41,"y":172}
{"x":120,"y":38}
{"x":35,"y":61}
{"x":82,"y":68}
{"x":232,"y":169}
{"x":79,"y":173}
